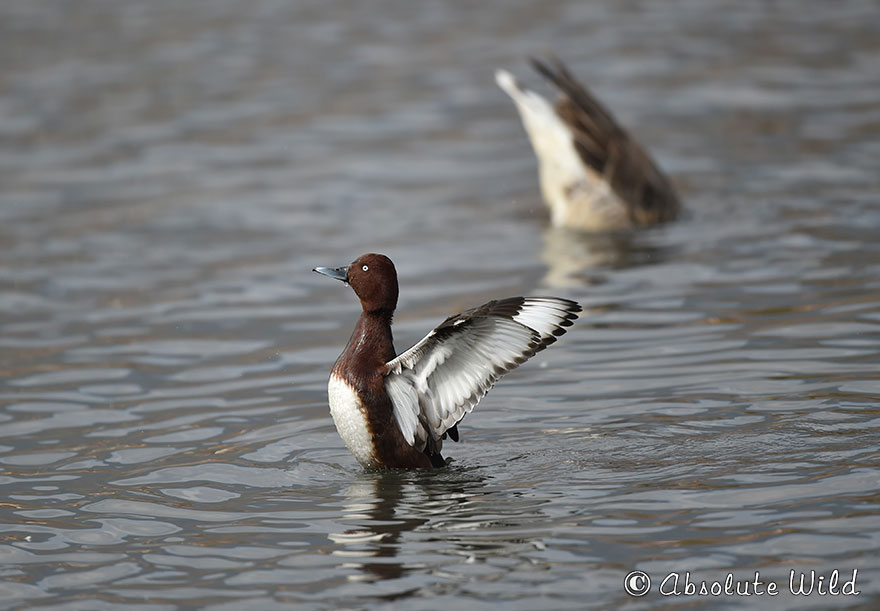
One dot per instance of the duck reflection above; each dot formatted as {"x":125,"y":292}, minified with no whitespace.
{"x":382,"y":506}
{"x":570,"y":255}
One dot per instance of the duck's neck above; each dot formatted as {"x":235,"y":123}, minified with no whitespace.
{"x":371,"y":343}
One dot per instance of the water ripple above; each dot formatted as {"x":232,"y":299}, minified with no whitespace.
{"x":168,"y":179}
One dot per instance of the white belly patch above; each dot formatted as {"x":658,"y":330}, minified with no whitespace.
{"x":350,"y":420}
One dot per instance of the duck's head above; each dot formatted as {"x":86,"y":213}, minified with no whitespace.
{"x":373,"y":278}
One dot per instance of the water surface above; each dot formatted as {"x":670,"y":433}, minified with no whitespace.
{"x":170,"y":173}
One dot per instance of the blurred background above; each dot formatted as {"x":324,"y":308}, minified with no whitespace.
{"x":170,"y":173}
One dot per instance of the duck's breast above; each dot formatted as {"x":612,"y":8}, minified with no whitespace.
{"x":350,"y":418}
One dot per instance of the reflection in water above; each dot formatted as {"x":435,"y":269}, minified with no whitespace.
{"x":385,"y":505}
{"x":569,"y":255}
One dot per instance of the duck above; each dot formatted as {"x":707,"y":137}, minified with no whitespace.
{"x":393,"y":411}
{"x":594,"y":175}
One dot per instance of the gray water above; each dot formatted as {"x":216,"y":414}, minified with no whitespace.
{"x":170,"y":173}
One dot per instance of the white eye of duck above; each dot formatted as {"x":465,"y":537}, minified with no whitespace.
{"x":365,"y":267}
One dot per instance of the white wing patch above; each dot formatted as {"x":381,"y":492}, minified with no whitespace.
{"x":439,"y":380}
{"x":543,"y":314}
{"x":404,"y":396}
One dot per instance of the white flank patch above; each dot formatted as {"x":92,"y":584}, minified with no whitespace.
{"x":350,"y":420}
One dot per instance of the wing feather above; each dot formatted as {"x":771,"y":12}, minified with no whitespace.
{"x":434,"y":384}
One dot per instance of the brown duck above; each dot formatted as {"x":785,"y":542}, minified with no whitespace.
{"x":394,"y":411}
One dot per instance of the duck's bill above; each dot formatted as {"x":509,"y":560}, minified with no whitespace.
{"x":337,"y":273}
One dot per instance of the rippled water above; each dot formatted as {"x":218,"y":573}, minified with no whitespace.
{"x":169,"y":174}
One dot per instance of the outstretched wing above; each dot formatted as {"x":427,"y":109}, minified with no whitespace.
{"x":610,"y":150}
{"x":440,"y":379}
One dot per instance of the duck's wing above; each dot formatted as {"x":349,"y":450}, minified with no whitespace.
{"x":606,"y":147}
{"x":440,"y":379}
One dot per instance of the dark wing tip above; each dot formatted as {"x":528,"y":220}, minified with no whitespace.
{"x":539,"y":66}
{"x":544,"y":68}
{"x":550,"y":339}
{"x":570,"y":305}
